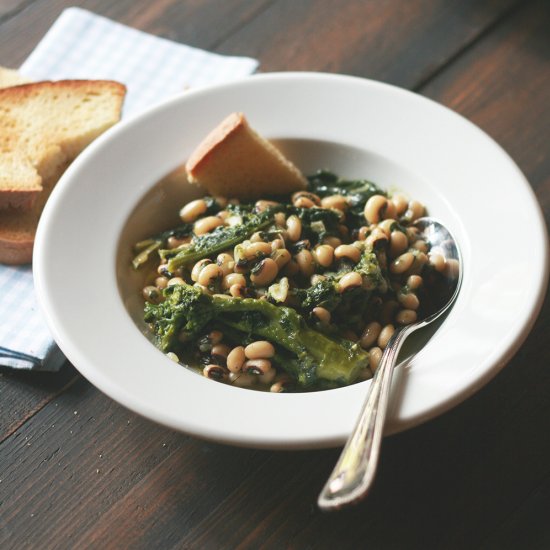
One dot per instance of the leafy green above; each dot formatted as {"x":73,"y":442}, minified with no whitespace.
{"x":146,"y":247}
{"x":312,"y":356}
{"x":358,"y":192}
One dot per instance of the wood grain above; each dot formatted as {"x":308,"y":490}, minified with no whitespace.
{"x":196,"y":23}
{"x":23,"y":394}
{"x":397,"y":42}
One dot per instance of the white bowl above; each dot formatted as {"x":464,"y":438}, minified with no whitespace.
{"x":355,"y":127}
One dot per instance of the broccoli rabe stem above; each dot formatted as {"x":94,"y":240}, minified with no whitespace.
{"x":222,"y":238}
{"x":315,"y":357}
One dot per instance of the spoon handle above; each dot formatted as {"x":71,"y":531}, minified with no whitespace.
{"x":355,"y":469}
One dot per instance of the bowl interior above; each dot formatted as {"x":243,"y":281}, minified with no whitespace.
{"x":107,"y":200}
{"x":158,"y":209}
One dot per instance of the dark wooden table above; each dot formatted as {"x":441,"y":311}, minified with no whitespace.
{"x":77,"y":470}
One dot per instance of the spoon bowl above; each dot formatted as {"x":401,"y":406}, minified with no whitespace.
{"x":354,"y":472}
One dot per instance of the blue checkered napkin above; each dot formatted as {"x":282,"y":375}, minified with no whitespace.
{"x":83,"y":45}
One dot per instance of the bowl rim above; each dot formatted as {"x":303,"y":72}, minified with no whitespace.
{"x":50,"y":305}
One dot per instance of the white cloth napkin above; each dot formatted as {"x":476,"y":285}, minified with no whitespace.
{"x":81,"y":44}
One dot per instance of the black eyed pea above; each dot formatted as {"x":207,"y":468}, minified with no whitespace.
{"x":280,"y":219}
{"x":223,"y":215}
{"x":215,"y":337}
{"x":362,"y":233}
{"x":257,"y":249}
{"x":398,"y":243}
{"x":370,"y":334}
{"x":268,"y":377}
{"x":332,"y":241}
{"x":335,"y":201}
{"x":305,"y":199}
{"x":162,"y":270}
{"x":264,"y":273}
{"x":226,"y":263}
{"x":303,"y":202}
{"x":215,"y":372}
{"x":175,"y":281}
{"x":437,"y":261}
{"x":401,"y":203}
{"x":174,"y":242}
{"x":277,"y":244}
{"x":409,"y":301}
{"x":406,"y":317}
{"x":210,"y":275}
{"x":281,"y":257}
{"x":161,"y":282}
{"x":421,"y":245}
{"x":257,"y":366}
{"x":402,"y":263}
{"x":452,"y":268}
{"x":291,"y":268}
{"x":233,"y":279}
{"x":384,"y":337}
{"x":257,"y":237}
{"x":242,"y":380}
{"x":220,"y":350}
{"x":347,"y":251}
{"x":387,"y":226}
{"x":414,"y":282}
{"x":414,"y":211}
{"x":262,"y":205}
{"x":324,"y":255}
{"x":375,"y":354}
{"x":316,"y":278}
{"x":349,"y":281}
{"x":278,"y":387}
{"x":198,"y":267}
{"x":237,"y":291}
{"x":305,"y":262}
{"x":192,"y":210}
{"x":322,"y":315}
{"x":377,"y":238}
{"x":375,"y":208}
{"x":262,"y":349}
{"x":390,"y":211}
{"x":205,"y":225}
{"x":152,"y":294}
{"x":293,"y":228}
{"x":236,"y":359}
{"x":203,"y":289}
{"x":344,"y":231}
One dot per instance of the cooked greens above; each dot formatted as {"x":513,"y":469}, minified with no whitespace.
{"x":312,"y":281}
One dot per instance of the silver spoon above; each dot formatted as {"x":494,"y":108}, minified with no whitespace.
{"x":354,"y":472}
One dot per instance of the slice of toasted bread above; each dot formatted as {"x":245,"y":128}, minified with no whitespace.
{"x":45,"y":125}
{"x":16,"y":166}
{"x":235,"y":161}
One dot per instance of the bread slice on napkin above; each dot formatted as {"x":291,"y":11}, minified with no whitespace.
{"x":43,"y":127}
{"x":235,"y":161}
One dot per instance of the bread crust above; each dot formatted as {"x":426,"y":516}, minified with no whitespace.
{"x":16,"y":252}
{"x":234,"y":161}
